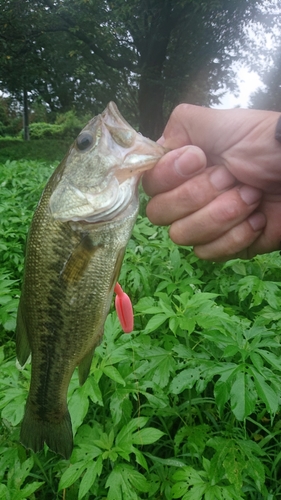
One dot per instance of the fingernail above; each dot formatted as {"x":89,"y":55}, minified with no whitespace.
{"x":190,"y":161}
{"x":257,"y":221}
{"x":249,"y":194}
{"x":221,"y":178}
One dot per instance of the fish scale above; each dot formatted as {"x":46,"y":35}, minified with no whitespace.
{"x":75,"y":249}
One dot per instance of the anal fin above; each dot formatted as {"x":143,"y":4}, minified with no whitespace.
{"x":22,"y":344}
{"x":85,"y":366}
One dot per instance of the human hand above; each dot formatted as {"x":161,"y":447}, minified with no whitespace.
{"x":220,"y":186}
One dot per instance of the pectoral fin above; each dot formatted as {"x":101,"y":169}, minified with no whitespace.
{"x":78,"y":261}
{"x":22,"y":344}
{"x":117,"y":267}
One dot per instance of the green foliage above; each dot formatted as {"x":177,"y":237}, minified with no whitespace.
{"x":43,"y":149}
{"x":184,"y":407}
{"x":10,"y":120}
{"x":149,"y":57}
{"x":67,"y":127}
{"x":21,"y":185}
{"x":269,"y":95}
{"x":40,"y":130}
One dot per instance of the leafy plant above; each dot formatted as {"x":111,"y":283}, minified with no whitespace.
{"x":187,"y":406}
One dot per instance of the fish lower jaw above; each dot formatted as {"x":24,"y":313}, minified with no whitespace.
{"x":81,"y":224}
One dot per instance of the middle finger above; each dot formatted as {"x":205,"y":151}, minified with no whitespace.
{"x":213,"y":220}
{"x":193,"y":194}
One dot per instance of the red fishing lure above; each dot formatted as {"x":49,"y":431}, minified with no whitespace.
{"x":124,"y":309}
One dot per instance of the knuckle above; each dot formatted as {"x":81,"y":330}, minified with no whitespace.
{"x":180,"y":110}
{"x":194,"y":194}
{"x":226,"y":212}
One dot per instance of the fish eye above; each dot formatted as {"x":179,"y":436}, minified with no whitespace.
{"x":84,"y":141}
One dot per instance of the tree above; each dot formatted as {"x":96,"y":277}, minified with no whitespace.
{"x":148,"y":55}
{"x":270,"y":97}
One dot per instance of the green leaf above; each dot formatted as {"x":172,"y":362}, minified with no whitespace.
{"x":20,"y":473}
{"x":259,"y":290}
{"x":234,"y":465}
{"x":78,"y":406}
{"x":265,"y":392}
{"x":187,"y":323}
{"x":196,"y":492}
{"x":120,"y":405}
{"x":227,"y":456}
{"x":31,"y":488}
{"x":271,"y":358}
{"x":185,"y":380}
{"x":72,"y":473}
{"x":215,"y":492}
{"x":125,"y":434}
{"x":189,"y":475}
{"x":105,"y":440}
{"x":4,"y":492}
{"x":14,"y":410}
{"x":238,"y":267}
{"x":155,"y":322}
{"x":159,"y":365}
{"x":255,"y":470}
{"x":147,"y":436}
{"x":144,"y":304}
{"x":242,"y":400}
{"x":94,"y":391}
{"x":172,"y":462}
{"x":196,"y":436}
{"x":123,"y":482}
{"x":222,"y":394}
{"x":257,"y":360}
{"x":190,"y":484}
{"x":113,"y":373}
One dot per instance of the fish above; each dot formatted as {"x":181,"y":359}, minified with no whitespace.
{"x":74,"y":252}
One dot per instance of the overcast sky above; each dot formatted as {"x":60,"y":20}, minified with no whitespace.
{"x":248,"y":82}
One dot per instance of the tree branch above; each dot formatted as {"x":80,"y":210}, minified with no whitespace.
{"x":119,"y":63}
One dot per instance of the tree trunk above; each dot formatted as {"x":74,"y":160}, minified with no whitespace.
{"x":25,"y":116}
{"x":153,"y":50}
{"x":151,"y":98}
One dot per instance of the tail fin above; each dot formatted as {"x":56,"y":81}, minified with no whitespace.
{"x":58,"y":436}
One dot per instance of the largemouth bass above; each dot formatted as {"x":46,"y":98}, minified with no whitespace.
{"x":75,"y":249}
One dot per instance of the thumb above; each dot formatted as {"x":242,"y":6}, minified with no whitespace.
{"x":218,"y":130}
{"x":189,"y":124}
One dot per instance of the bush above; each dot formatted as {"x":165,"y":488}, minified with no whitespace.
{"x":67,"y":126}
{"x":12,"y":128}
{"x":41,"y":130}
{"x":44,"y":149}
